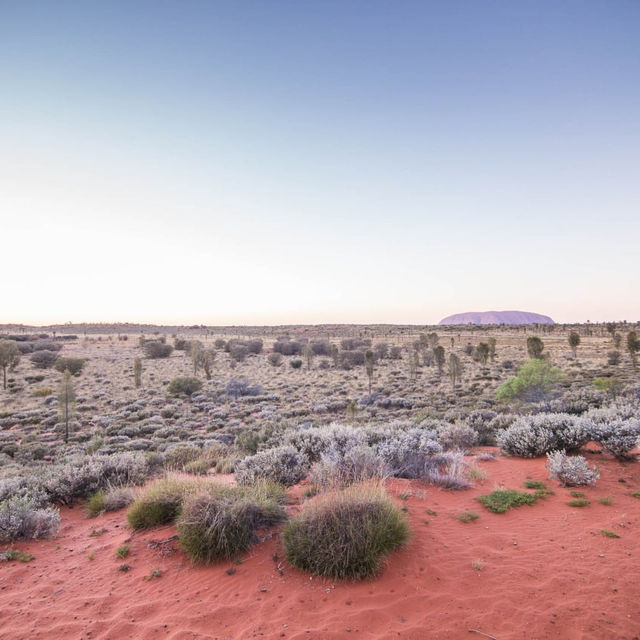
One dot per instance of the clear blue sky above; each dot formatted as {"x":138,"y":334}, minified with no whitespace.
{"x":334,"y":161}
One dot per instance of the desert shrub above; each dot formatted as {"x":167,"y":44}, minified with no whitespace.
{"x":217,"y":524}
{"x":240,"y":387}
{"x":155,"y":349}
{"x":407,"y":452}
{"x":381,"y":350}
{"x":535,"y":347}
{"x":345,"y":534}
{"x":571,"y":471}
{"x":613,"y":358}
{"x":296,"y":363}
{"x":116,"y":498}
{"x":181,"y":344}
{"x":46,"y":345}
{"x":21,"y":518}
{"x":312,"y":442}
{"x":23,"y":348}
{"x":254,"y":346}
{"x":482,"y":422}
{"x":457,"y":436}
{"x":504,"y":499}
{"x":177,"y":457}
{"x":532,"y":436}
{"x":29,"y":488}
{"x":198,"y":467}
{"x":159,"y":504}
{"x":447,"y":470}
{"x":275,"y":359}
{"x":534,"y":382}
{"x":351,"y":344}
{"x":66,"y":483}
{"x":43,"y":359}
{"x":395,"y":353}
{"x":237,"y":352}
{"x":618,"y":436}
{"x":336,"y":470}
{"x":184,"y":386}
{"x":321,"y":347}
{"x":288,"y":347}
{"x":72,"y":365}
{"x":249,"y":441}
{"x":350,"y":359}
{"x":284,"y":465}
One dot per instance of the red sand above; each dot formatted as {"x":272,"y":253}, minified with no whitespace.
{"x":547,"y":572}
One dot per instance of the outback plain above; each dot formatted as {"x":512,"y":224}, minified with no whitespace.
{"x":320,"y":482}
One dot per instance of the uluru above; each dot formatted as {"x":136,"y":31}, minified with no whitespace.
{"x":496,"y":317}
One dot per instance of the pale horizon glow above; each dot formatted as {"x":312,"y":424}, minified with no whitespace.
{"x":257,"y":163}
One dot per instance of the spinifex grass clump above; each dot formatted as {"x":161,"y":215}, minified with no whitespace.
{"x":345,"y":534}
{"x":221,"y":522}
{"x":504,"y":499}
{"x":112,"y":499}
{"x":159,"y":504}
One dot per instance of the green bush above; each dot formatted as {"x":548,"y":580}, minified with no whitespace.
{"x":504,"y":499}
{"x":159,"y":504}
{"x":533,"y":383}
{"x":73,"y":365}
{"x":221,"y":522}
{"x":345,"y":534}
{"x":184,"y":386}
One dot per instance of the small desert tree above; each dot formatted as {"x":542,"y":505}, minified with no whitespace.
{"x":574,"y":342}
{"x":481,"y":354}
{"x":533,"y":383}
{"x":369,"y":362}
{"x":208,"y":357}
{"x":414,"y":362}
{"x":535,"y":347}
{"x":66,"y":400}
{"x":633,"y":346}
{"x":439,"y":355}
{"x":308,"y":354}
{"x":9,"y":358}
{"x":137,"y":372}
{"x":455,"y":369}
{"x":195,"y":351}
{"x":492,"y":348}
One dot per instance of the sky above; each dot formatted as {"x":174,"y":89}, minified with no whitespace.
{"x":334,"y":161}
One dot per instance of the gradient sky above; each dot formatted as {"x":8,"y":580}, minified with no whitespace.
{"x":329,"y":161}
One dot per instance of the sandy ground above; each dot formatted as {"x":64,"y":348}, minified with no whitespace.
{"x":542,"y":571}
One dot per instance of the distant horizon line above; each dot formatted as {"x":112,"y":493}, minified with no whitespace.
{"x":8,"y":325}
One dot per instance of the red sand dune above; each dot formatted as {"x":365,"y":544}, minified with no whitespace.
{"x":547,"y":572}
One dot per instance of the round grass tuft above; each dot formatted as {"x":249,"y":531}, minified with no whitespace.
{"x":159,"y":504}
{"x":222,"y":523}
{"x":345,"y":534}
